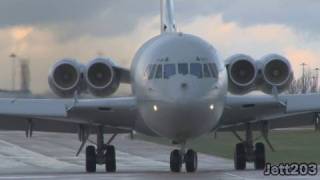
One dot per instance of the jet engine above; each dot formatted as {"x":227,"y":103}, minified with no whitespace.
{"x":276,"y":73}
{"x":65,"y":78}
{"x":101,"y":77}
{"x":242,"y":73}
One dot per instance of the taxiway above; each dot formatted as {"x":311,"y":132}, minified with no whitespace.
{"x":52,"y":156}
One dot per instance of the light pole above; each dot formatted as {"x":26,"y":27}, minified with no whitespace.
{"x":304,"y":89}
{"x":314,"y":86}
{"x":317,"y":78}
{"x":13,"y":56}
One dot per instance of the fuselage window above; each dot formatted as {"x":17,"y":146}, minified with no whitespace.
{"x":151,"y":71}
{"x":214,"y":70}
{"x":169,"y":70}
{"x":159,"y":72}
{"x":206,"y":72}
{"x":183,"y":68}
{"x":196,"y":69}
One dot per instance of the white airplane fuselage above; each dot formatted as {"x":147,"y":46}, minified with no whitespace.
{"x":176,"y":100}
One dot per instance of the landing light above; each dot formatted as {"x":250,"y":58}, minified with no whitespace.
{"x":155,"y":108}
{"x":211,"y":107}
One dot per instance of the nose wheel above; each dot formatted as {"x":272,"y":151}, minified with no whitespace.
{"x":178,"y":158}
{"x":175,"y":161}
{"x":191,"y":160}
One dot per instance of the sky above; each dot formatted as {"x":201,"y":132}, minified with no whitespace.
{"x":46,"y":31}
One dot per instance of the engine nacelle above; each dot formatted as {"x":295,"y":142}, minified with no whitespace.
{"x":65,"y":78}
{"x":101,"y":77}
{"x":242,"y":73}
{"x":276,"y":72}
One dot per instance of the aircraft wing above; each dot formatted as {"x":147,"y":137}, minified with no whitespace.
{"x":56,"y":115}
{"x":124,"y":74}
{"x":282,"y":112}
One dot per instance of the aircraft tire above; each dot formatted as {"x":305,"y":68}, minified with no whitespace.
{"x":191,"y":160}
{"x":175,"y":161}
{"x":110,"y":157}
{"x":90,"y":159}
{"x":260,"y":156}
{"x":240,"y":157}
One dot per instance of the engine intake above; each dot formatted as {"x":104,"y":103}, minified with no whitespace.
{"x":100,"y":75}
{"x":277,"y":72}
{"x":65,"y":77}
{"x":101,"y":78}
{"x":242,"y":73}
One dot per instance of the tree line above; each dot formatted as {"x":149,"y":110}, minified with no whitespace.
{"x":307,"y":83}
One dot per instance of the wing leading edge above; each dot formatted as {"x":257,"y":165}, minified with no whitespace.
{"x":54,"y":115}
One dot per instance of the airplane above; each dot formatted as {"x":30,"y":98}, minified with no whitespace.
{"x":181,"y":90}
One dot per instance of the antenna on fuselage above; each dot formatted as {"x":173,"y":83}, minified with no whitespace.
{"x":168,"y":23}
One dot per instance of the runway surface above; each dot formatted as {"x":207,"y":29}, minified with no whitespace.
{"x":52,"y":156}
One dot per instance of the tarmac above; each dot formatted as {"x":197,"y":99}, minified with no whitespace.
{"x":52,"y":156}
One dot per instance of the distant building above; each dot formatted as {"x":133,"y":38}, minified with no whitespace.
{"x":24,"y":91}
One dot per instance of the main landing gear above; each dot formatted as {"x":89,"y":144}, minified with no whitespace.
{"x":180,"y":157}
{"x":247,"y":152}
{"x":242,"y":155}
{"x":103,"y":154}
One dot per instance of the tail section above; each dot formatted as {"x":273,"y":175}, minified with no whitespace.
{"x":168,"y":23}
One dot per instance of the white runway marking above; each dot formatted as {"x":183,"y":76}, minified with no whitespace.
{"x":238,"y":177}
{"x":16,"y":156}
{"x":28,"y":177}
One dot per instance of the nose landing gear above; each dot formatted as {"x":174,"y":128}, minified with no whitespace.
{"x":191,"y":160}
{"x":176,"y":161}
{"x":180,"y":157}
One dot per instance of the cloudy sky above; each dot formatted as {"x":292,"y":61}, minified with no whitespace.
{"x":45,"y":31}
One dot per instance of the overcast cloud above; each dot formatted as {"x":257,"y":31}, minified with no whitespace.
{"x":45,"y":31}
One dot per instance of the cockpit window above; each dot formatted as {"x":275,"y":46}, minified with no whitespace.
{"x":159,"y":72}
{"x":196,"y":69}
{"x":206,"y":72}
{"x":214,"y":70}
{"x":169,"y":70}
{"x":147,"y":71}
{"x":183,"y":68}
{"x":150,"y":71}
{"x":166,"y":71}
